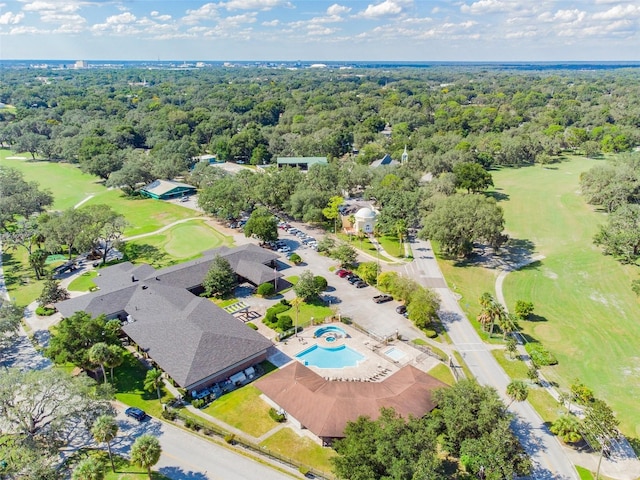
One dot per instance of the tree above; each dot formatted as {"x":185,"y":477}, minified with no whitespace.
{"x":75,"y":335}
{"x":517,"y":391}
{"x":492,"y":312}
{"x":19,"y":198}
{"x":472,"y":177}
{"x":10,"y":318}
{"x":523,"y":309}
{"x":45,"y":409}
{"x":220,"y":280}
{"x":306,"y":287}
{"x":600,"y":426}
{"x":262,"y":224}
{"x":620,"y":236}
{"x":116,"y":358}
{"x":70,"y":228}
{"x":100,"y":353}
{"x":369,"y":272}
{"x":512,"y":347}
{"x":146,"y":451}
{"x":422,"y":307}
{"x":153,"y":381}
{"x":88,"y":469}
{"x":38,"y":260}
{"x":331,"y":210}
{"x":459,"y":220}
{"x":345,"y":254}
{"x":389,"y":447}
{"x":104,"y":430}
{"x":52,"y":292}
{"x":106,"y":229}
{"x":567,"y":427}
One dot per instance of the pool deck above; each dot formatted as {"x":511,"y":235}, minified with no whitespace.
{"x":375,"y":367}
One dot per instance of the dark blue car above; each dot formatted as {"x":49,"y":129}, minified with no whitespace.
{"x":136,"y":413}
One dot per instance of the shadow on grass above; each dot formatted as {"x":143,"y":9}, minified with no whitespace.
{"x":497,"y":196}
{"x":133,"y":252}
{"x":536,"y":318}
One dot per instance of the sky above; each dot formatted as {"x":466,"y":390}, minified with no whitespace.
{"x":308,"y":30}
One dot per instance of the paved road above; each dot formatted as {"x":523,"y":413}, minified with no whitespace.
{"x":188,"y":457}
{"x":550,"y":460}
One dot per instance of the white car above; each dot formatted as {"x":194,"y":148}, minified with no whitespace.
{"x":284,"y":249}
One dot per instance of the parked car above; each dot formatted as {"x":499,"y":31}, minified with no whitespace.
{"x":361,"y":284}
{"x":401,"y":309}
{"x":136,"y":413}
{"x":284,"y":249}
{"x":342,"y":273}
{"x":382,"y":298}
{"x":353,"y":279}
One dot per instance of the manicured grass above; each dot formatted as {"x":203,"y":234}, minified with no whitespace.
{"x":515,"y":367}
{"x":243,"y":409}
{"x":391,"y":245}
{"x":584,"y":473}
{"x":129,"y":383}
{"x":125,"y":470}
{"x":587,"y":314}
{"x":314,"y":309}
{"x":66,"y":182}
{"x":302,"y":449}
{"x":84,"y":282}
{"x":546,"y":406}
{"x":19,"y":277}
{"x":442,"y":373}
{"x":585,"y":310}
{"x":179,"y":243}
{"x":144,"y":215}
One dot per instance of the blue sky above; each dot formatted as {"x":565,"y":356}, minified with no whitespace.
{"x":394,"y":30}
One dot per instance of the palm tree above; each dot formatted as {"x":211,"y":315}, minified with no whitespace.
{"x":115,"y":359}
{"x":104,"y":430}
{"x":146,"y":451}
{"x":88,"y":469}
{"x":567,"y":427}
{"x":518,"y":391}
{"x":100,"y":354}
{"x":512,"y":347}
{"x":153,"y":380}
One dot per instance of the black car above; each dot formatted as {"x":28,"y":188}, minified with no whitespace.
{"x":382,"y":298}
{"x":361,"y":284}
{"x":401,"y":309}
{"x":136,"y":413}
{"x":353,"y":279}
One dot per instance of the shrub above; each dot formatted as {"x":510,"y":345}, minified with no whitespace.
{"x":252,"y":326}
{"x":320,"y":282}
{"x":45,"y":311}
{"x":540,"y":356}
{"x":266,"y":289}
{"x":192,"y":424}
{"x":278,"y":417}
{"x":199,"y":402}
{"x":286,"y":302}
{"x":230,"y":438}
{"x":169,"y":414}
{"x":271,"y":317}
{"x":285,"y":322}
{"x":295,"y":258}
{"x":429,"y":333}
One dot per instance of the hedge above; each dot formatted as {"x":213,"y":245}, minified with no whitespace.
{"x":540,"y":356}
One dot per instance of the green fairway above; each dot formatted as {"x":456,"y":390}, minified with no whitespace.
{"x":587,"y":313}
{"x":145,"y":215}
{"x":66,"y":182}
{"x":178,"y":243}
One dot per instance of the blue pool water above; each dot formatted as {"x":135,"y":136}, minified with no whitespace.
{"x":330,"y":329}
{"x":335,"y":357}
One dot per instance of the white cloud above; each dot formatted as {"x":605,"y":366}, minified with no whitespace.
{"x":157,"y":16}
{"x":254,"y":4}
{"x":618,"y":12}
{"x":123,"y":18}
{"x":336,"y":9}
{"x":208,"y":11}
{"x":10,"y":18}
{"x":60,"y":7}
{"x":386,"y":8}
{"x":272,"y":23}
{"x":488,"y":6}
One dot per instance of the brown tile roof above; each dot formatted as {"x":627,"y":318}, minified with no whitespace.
{"x":325,"y":406}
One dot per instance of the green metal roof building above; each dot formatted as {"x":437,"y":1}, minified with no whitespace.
{"x":166,"y":189}
{"x":301,"y":162}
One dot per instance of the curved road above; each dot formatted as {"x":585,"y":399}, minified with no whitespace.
{"x":547,"y":454}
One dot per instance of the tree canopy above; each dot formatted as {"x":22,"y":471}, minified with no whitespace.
{"x":220,"y":280}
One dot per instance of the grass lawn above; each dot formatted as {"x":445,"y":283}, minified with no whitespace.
{"x":129,"y":383}
{"x":391,"y":245}
{"x":66,"y":182}
{"x":586,"y":313}
{"x":84,"y":282}
{"x":145,"y":215}
{"x":515,"y":368}
{"x":177,"y":244}
{"x":19,"y":277}
{"x":442,"y":373}
{"x":243,"y":409}
{"x":302,"y":449}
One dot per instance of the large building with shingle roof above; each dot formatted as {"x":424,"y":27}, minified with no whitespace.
{"x":194,"y":341}
{"x":325,"y":407}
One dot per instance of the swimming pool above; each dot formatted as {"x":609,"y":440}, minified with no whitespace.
{"x":329,"y":329}
{"x":334,"y":357}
